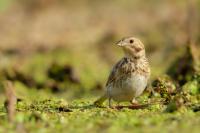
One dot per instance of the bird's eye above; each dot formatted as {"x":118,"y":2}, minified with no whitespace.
{"x":131,"y":41}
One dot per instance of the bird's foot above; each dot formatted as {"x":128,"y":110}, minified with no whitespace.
{"x":135,"y":105}
{"x":138,"y":106}
{"x":134,"y":102}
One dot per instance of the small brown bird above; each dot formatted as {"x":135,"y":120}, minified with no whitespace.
{"x":129,"y":77}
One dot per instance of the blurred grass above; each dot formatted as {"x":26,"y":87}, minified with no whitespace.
{"x":4,"y":4}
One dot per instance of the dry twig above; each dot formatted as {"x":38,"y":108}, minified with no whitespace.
{"x":10,"y":100}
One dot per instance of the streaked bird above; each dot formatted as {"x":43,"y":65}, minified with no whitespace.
{"x":129,"y":76}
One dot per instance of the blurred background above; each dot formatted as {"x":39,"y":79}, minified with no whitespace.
{"x":67,"y":48}
{"x":57,"y":55}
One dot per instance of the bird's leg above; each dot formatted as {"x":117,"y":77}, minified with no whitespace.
{"x":109,"y":102}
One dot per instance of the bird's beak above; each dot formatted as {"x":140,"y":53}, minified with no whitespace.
{"x":120,"y":43}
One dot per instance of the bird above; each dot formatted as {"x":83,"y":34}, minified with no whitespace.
{"x":129,"y":76}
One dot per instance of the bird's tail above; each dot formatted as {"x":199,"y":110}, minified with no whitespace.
{"x":100,"y":101}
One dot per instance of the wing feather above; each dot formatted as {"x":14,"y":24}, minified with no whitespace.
{"x":121,"y":68}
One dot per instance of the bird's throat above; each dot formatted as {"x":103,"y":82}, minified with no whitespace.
{"x":135,"y":58}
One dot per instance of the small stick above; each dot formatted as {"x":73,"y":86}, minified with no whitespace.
{"x":10,"y":100}
{"x":190,"y":25}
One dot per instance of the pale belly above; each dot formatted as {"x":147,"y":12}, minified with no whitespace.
{"x":128,"y":88}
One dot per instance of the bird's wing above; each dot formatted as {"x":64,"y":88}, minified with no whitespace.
{"x":123,"y":67}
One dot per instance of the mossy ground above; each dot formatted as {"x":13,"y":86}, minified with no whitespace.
{"x":45,"y":116}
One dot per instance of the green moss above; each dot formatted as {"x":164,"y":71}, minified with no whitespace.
{"x":44,"y":116}
{"x":192,"y":87}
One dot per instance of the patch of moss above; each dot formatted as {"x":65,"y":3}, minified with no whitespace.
{"x":165,"y":87}
{"x":44,"y":106}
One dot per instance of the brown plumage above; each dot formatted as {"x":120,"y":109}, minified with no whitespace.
{"x":130,"y":75}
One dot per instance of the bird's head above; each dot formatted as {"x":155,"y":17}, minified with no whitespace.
{"x":132,"y":47}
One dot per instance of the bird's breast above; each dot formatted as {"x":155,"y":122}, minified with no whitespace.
{"x":136,"y":81}
{"x":128,"y":87}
